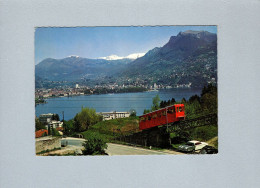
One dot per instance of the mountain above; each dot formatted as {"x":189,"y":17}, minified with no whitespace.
{"x":189,"y":59}
{"x":115,"y":57}
{"x":75,"y":68}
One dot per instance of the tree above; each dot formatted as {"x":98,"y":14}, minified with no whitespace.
{"x":156,"y":101}
{"x":146,"y":111}
{"x":183,"y":100}
{"x":95,"y":145}
{"x":209,"y":98}
{"x":132,"y":113}
{"x":194,"y":98}
{"x":39,"y":125}
{"x":68,"y":126}
{"x":54,"y":132}
{"x":173,"y":101}
{"x":85,"y":118}
{"x":161,"y":104}
{"x":49,"y":130}
{"x":56,"y":117}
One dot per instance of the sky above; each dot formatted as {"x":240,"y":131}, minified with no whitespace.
{"x":94,"y":42}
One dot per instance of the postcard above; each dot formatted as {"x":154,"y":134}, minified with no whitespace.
{"x":137,"y":90}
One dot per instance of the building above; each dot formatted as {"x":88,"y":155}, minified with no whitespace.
{"x":41,"y":133}
{"x":54,"y":124}
{"x":46,"y":118}
{"x":113,"y":115}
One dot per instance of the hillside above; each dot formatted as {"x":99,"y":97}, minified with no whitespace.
{"x":115,"y":127}
{"x":188,"y":59}
{"x":77,"y":68}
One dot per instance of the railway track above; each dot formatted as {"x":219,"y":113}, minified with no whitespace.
{"x":160,"y":136}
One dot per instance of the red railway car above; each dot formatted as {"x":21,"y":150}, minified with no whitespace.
{"x":162,"y":116}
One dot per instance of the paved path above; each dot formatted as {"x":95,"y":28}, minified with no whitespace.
{"x":72,"y":141}
{"x":118,"y":149}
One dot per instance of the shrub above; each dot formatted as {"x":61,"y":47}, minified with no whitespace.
{"x":204,"y":133}
{"x":95,"y":145}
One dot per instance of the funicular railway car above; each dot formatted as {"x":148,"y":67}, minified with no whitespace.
{"x":162,"y":116}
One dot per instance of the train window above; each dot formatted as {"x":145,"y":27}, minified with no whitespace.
{"x":142,"y":119}
{"x":149,"y":118}
{"x":164,"y":113}
{"x":180,"y":109}
{"x":170,"y":111}
{"x":154,"y":116}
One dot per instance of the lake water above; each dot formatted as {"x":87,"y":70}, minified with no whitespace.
{"x":111,"y":102}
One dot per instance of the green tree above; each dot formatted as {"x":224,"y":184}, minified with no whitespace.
{"x":209,"y":98}
{"x":161,"y":104}
{"x":132,"y":113}
{"x":54,"y":132}
{"x":56,"y":117}
{"x":95,"y":145}
{"x":193,"y":98}
{"x":146,"y":111}
{"x":49,"y":130}
{"x":156,"y":103}
{"x":69,"y":127}
{"x":183,"y":101}
{"x":85,"y":118}
{"x":39,"y":125}
{"x":173,"y":101}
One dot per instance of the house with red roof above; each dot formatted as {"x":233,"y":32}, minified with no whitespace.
{"x":41,"y":133}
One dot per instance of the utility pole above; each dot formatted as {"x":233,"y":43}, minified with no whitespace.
{"x":167,"y":118}
{"x":170,"y":142}
{"x":62,"y":116}
{"x":63,"y":122}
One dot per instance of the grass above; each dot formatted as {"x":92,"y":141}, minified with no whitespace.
{"x":110,"y":129}
{"x":46,"y":151}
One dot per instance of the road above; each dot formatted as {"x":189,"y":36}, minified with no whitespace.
{"x":72,"y":141}
{"x":118,"y":149}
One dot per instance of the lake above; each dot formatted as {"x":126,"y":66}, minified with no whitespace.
{"x":111,"y":102}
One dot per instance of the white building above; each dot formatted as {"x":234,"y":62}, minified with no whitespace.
{"x":114,"y":115}
{"x":45,"y":118}
{"x":155,"y":86}
{"x":54,"y":124}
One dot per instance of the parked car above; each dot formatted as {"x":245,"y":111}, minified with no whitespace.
{"x":192,"y":146}
{"x":209,"y":150}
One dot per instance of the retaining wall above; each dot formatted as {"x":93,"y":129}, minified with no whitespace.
{"x":47,"y":142}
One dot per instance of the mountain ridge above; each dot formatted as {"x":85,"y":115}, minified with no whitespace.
{"x":188,"y":57}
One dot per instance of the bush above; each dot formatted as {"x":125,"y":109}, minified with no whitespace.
{"x":95,"y":145}
{"x":204,"y":133}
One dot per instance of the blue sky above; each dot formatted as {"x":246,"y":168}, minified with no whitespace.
{"x":93,"y":42}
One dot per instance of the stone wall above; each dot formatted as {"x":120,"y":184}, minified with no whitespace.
{"x":47,"y":143}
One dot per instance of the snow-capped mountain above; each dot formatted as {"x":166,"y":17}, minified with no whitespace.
{"x":115,"y":57}
{"x":73,"y":56}
{"x":135,"y":56}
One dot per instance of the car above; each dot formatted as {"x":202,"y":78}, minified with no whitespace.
{"x":209,"y":150}
{"x":192,"y":146}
